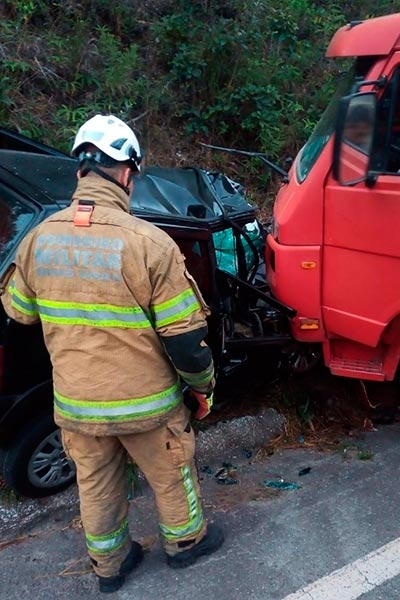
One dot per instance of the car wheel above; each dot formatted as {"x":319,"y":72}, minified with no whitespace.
{"x":35,"y":465}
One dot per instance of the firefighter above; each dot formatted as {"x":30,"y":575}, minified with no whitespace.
{"x":124,"y":324}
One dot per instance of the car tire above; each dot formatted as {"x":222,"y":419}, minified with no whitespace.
{"x":35,"y":464}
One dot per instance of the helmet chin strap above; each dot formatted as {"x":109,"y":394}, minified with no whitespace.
{"x":93,"y":167}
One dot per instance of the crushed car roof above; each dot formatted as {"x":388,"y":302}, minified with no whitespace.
{"x":176,"y":192}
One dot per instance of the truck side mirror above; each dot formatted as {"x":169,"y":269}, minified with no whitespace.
{"x":354,"y":134}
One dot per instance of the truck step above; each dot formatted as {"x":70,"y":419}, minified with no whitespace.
{"x":362,"y":369}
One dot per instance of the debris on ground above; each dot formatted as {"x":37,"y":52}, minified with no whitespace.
{"x":71,"y":568}
{"x":315,"y":410}
{"x":304,"y":471}
{"x":206,"y":469}
{"x":76,"y":524}
{"x":368,"y":425}
{"x":224,"y":475}
{"x":14,"y":541}
{"x":281,"y":484}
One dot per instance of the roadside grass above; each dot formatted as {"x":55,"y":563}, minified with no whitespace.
{"x":321,"y":411}
{"x":7,"y":496}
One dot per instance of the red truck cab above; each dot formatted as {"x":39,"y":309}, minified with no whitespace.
{"x":334,"y":250}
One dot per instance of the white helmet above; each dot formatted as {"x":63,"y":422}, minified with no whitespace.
{"x":112,"y":137}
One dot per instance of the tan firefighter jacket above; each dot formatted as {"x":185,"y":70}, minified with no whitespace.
{"x":111,"y":297}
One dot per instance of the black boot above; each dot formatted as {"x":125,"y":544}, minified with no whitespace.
{"x":108,"y":585}
{"x":213,"y":540}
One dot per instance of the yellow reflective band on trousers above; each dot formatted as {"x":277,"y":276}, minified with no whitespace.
{"x":175,"y":309}
{"x":102,"y":544}
{"x":195,"y":521}
{"x":22,"y":303}
{"x":118,"y":410}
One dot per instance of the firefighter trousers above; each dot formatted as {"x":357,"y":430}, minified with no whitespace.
{"x":165,"y":456}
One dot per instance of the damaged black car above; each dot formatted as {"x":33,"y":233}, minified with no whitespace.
{"x":208,"y":216}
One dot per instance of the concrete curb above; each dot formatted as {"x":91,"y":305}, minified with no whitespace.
{"x":242,"y":433}
{"x":217,"y":442}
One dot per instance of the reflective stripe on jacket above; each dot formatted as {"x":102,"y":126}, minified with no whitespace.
{"x":106,"y":295}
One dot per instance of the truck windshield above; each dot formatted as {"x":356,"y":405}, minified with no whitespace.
{"x":324,"y":129}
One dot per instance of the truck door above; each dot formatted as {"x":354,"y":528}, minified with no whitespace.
{"x":361,"y":252}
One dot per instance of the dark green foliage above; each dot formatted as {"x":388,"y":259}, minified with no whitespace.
{"x":244,"y":73}
{"x":61,"y":64}
{"x":255,"y":75}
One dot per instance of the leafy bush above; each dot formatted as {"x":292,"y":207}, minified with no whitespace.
{"x":256,"y":77}
{"x":52,"y":80}
{"x":244,"y":73}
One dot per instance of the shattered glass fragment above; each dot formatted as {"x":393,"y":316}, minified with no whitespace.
{"x":281,"y":484}
{"x":206,"y":469}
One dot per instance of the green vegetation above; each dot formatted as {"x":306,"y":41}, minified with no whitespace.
{"x":243,"y":73}
{"x":354,"y":450}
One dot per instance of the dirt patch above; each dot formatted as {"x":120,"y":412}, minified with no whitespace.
{"x":320,"y":409}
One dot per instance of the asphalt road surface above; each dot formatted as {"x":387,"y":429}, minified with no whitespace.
{"x":336,"y":537}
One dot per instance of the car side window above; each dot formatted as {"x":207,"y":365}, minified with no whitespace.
{"x":16,"y":217}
